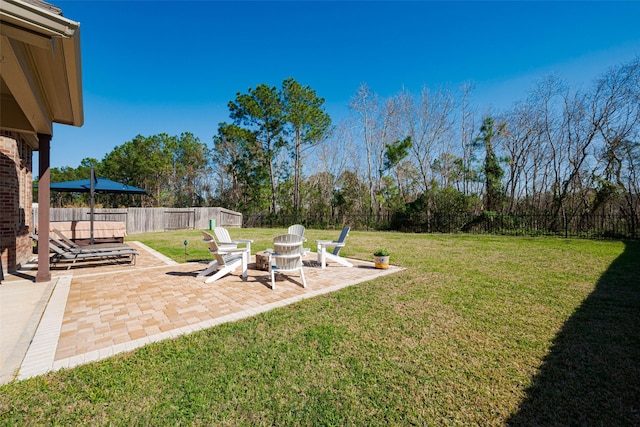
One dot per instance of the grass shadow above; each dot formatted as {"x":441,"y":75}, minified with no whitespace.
{"x":591,"y":375}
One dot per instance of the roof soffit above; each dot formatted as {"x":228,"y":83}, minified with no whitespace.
{"x":21,"y":79}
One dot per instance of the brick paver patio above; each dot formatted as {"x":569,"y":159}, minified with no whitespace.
{"x":99,"y":311}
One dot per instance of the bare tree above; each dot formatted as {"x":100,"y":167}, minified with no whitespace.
{"x":365,"y":105}
{"x":430,"y":125}
{"x":519,"y":140}
{"x":333,"y":157}
{"x":617,"y":99}
{"x":467,"y":136}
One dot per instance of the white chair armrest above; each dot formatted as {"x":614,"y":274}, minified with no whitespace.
{"x":276,"y":255}
{"x":329,"y":243}
{"x":234,"y":250}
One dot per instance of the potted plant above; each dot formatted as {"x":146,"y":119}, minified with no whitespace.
{"x":381,"y":258}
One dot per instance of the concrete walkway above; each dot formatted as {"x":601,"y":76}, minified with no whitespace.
{"x":22,"y":303}
{"x":90,"y":313}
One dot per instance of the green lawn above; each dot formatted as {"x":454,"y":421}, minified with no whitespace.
{"x":478,"y":330}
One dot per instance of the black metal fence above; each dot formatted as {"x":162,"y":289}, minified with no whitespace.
{"x":591,"y":226}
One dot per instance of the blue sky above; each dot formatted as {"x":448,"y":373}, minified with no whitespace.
{"x":153,"y":67}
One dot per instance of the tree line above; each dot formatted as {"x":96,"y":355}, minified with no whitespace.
{"x":564,"y":152}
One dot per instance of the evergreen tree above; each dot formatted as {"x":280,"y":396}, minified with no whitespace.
{"x":493,"y":172}
{"x":308,"y":123}
{"x":261,"y":112}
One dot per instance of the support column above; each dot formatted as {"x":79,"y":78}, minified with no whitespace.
{"x":44,"y":203}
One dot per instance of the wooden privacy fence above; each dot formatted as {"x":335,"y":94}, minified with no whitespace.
{"x":143,"y":220}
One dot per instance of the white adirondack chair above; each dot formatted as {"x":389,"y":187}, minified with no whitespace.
{"x":298,"y":230}
{"x":225,"y":262}
{"x":323,"y":255}
{"x":208,"y":237}
{"x":286,"y":257}
{"x":225,"y":241}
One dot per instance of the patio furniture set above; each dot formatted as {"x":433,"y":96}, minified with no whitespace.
{"x":286,"y":256}
{"x":65,"y":250}
{"x":228,"y":254}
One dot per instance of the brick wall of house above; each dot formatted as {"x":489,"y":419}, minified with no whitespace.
{"x":15,"y":200}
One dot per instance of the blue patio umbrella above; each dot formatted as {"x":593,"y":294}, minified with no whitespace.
{"x":95,"y":185}
{"x":101,"y":185}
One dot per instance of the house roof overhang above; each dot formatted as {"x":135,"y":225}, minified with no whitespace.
{"x":40,"y":69}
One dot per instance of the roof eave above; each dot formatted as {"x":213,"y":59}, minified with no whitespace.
{"x":38,"y":19}
{"x":38,"y":29}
